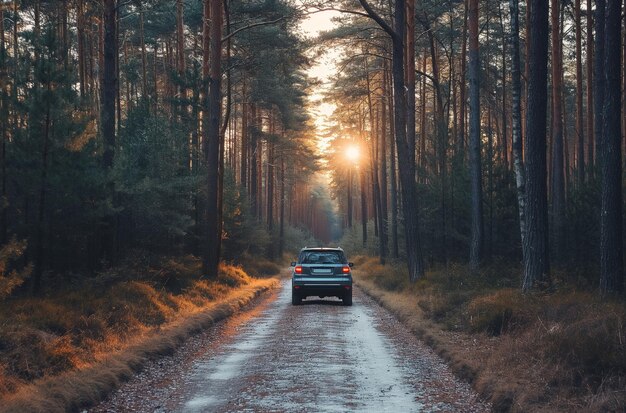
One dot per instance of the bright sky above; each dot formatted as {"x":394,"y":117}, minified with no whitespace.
{"x":322,"y":69}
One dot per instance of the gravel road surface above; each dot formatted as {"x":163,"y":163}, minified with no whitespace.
{"x":316,"y":357}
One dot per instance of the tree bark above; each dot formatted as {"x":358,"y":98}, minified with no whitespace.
{"x":579,"y":97}
{"x":108,"y":83}
{"x":598,"y":78}
{"x":213,"y":139}
{"x":407,"y":168}
{"x":395,"y":250}
{"x":4,"y":127}
{"x":476,"y":242}
{"x":558,"y":178}
{"x":536,"y":266}
{"x":516,"y":118}
{"x":611,"y":260}
{"x":590,"y":102}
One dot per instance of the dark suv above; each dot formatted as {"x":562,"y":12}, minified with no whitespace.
{"x":322,"y":272}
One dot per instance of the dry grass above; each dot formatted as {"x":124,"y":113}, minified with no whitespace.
{"x":55,"y":352}
{"x":558,"y":352}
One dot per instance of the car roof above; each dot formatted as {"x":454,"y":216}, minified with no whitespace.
{"x":322,"y":249}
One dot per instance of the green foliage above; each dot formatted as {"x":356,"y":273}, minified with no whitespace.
{"x":152,"y":180}
{"x":242,"y":233}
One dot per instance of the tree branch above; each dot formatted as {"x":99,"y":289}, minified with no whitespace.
{"x":376,"y":17}
{"x":250,"y":26}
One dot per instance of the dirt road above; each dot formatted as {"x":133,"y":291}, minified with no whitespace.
{"x":317,"y":357}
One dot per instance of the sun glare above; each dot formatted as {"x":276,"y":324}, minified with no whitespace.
{"x":353,"y":153}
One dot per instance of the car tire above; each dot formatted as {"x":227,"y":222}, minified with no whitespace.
{"x":296,"y":299}
{"x":347,"y":298}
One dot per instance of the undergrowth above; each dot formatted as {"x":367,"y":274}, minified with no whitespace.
{"x":561,"y":351}
{"x":79,"y":325}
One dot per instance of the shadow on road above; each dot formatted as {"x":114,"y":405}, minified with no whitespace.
{"x":322,"y":301}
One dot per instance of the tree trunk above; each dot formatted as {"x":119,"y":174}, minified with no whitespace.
{"x":281,"y":234}
{"x":476,"y":242}
{"x":516,"y":118}
{"x":212,"y":135}
{"x":460,"y":145}
{"x":590,"y":102}
{"x":4,"y":126}
{"x":108,"y":83}
{"x":395,"y":250}
{"x":579,"y":97}
{"x":254,"y":148}
{"x":410,"y":77}
{"x":244,"y":136}
{"x":144,"y":62}
{"x":536,"y":266}
{"x":503,"y":133}
{"x":598,"y":78}
{"x":407,"y":168}
{"x":558,"y":178}
{"x":611,"y":260}
{"x":363,"y":206}
{"x":43,"y":188}
{"x":180,"y":60}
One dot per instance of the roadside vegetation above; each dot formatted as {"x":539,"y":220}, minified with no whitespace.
{"x":85,"y":320}
{"x":559,"y":351}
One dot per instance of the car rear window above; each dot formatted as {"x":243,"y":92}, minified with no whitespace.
{"x":322,"y":257}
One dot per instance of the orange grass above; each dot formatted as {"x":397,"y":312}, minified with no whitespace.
{"x":64,"y":339}
{"x":564,"y":351}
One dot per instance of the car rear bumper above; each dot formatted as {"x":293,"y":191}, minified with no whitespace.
{"x":321,"y":286}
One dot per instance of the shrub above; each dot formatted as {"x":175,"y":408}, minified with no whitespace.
{"x":498,"y":312}
{"x":11,"y":278}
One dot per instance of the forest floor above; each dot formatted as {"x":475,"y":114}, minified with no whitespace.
{"x":70,"y":347}
{"x":563,"y":351}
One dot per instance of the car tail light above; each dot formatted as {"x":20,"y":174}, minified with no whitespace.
{"x":345,"y":270}
{"x":298,"y":269}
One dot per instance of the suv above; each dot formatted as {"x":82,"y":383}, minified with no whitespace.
{"x":322,"y":272}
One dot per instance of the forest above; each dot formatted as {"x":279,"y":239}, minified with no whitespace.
{"x":478,"y":141}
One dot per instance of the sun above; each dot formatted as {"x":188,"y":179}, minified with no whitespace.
{"x":353,"y":153}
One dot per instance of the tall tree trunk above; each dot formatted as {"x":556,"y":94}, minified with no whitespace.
{"x":476,"y":242}
{"x":211,"y":260}
{"x":244,"y":135}
{"x":144,"y":59}
{"x":349,"y":199}
{"x":598,"y":78}
{"x":80,"y":34}
{"x":108,"y":83}
{"x":460,"y":145}
{"x":590,"y":102}
{"x":4,"y":127}
{"x":503,"y":133}
{"x":579,"y":97}
{"x":537,"y":266}
{"x":180,"y":58}
{"x":558,"y":178}
{"x":516,"y":117}
{"x":281,"y":233}
{"x":363,"y":205}
{"x":611,"y":259}
{"x":392,"y":160}
{"x":43,"y":188}
{"x":254,"y":148}
{"x":406,"y":161}
{"x":107,"y":117}
{"x":410,"y":77}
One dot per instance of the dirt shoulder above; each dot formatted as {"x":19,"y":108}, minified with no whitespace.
{"x":522,"y":353}
{"x":69,"y":350}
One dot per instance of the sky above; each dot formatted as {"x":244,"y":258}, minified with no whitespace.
{"x":323,"y":68}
